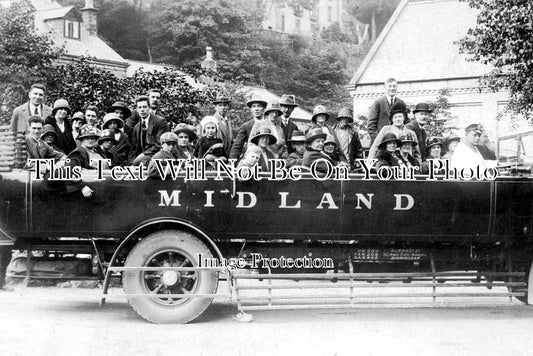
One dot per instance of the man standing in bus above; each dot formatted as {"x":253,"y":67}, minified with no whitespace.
{"x":257,"y":107}
{"x":379,"y":113}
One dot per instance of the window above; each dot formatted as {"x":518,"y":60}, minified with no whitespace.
{"x":72,"y":29}
{"x":330,"y":13}
{"x":282,"y":23}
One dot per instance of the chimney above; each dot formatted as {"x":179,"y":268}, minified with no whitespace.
{"x":88,"y":14}
{"x":209,"y":62}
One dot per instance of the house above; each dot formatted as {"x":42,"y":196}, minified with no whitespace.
{"x":77,"y":32}
{"x":418,"y":48}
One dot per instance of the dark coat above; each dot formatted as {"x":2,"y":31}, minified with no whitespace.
{"x":65,"y":141}
{"x":239,"y":144}
{"x":21,"y":114}
{"x":311,"y":155}
{"x":80,"y":157}
{"x":40,"y":149}
{"x":204,"y":143}
{"x":163,"y":155}
{"x":115,"y":160}
{"x":265,"y":164}
{"x":420,"y":135}
{"x":338,"y":151}
{"x":287,"y":132}
{"x":378,"y":115}
{"x":355,"y":150}
{"x":181,"y":153}
{"x":122,"y":149}
{"x":156,"y":127}
{"x":295,"y":159}
{"x":386,"y":159}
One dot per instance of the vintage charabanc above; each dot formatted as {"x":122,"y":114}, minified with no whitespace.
{"x":171,"y":240}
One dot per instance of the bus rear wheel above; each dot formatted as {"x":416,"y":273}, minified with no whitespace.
{"x":169,"y":248}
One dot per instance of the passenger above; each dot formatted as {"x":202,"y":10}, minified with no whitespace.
{"x":449,"y":145}
{"x":33,"y":107}
{"x":407,"y":147}
{"x":287,"y":105}
{"x":486,"y":148}
{"x":466,"y":155}
{"x":77,"y":121}
{"x":264,"y":140}
{"x":251,"y":157}
{"x":59,"y":120}
{"x":224,"y":126}
{"x":104,"y":147}
{"x":387,"y":156}
{"x":50,"y":137}
{"x":210,"y":147}
{"x":422,"y":113}
{"x":168,"y":151}
{"x":330,"y":149}
{"x":83,"y":155}
{"x":434,"y":149}
{"x":121,"y":149}
{"x":348,"y":137}
{"x":185,"y":135}
{"x":257,"y":107}
{"x":314,"y":150}
{"x":380,"y":111}
{"x":146,"y":133}
{"x":123,"y":112}
{"x":36,"y":147}
{"x":319,"y":119}
{"x":92,"y":116}
{"x":297,"y":142}
{"x":271,"y":121}
{"x":398,"y":117}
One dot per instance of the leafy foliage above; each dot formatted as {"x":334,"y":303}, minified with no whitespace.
{"x":25,"y":56}
{"x":503,"y":38}
{"x":368,"y":11}
{"x":442,"y":120}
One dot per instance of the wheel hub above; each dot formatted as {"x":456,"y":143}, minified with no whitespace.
{"x":170,"y":278}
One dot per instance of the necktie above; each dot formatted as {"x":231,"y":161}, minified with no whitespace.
{"x":36,"y":112}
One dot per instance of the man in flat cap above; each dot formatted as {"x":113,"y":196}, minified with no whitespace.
{"x":224,"y":127}
{"x":422,"y":114}
{"x":466,"y":154}
{"x":257,"y":107}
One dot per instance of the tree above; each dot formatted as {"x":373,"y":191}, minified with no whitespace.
{"x":25,"y":56}
{"x":374,"y":12}
{"x":503,"y":38}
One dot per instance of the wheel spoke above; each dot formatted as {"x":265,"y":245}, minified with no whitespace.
{"x":185,"y":261}
{"x":157,"y":289}
{"x":170,"y":258}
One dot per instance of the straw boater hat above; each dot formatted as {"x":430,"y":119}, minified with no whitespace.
{"x":256,"y":100}
{"x":319,"y":110}
{"x":263,"y":131}
{"x":185,"y":128}
{"x":221,"y":99}
{"x":169,"y":137}
{"x":407,"y":138}
{"x":107,"y":136}
{"x":345,"y":113}
{"x":273,"y":106}
{"x":48,"y":130}
{"x":288,"y":100}
{"x":314,"y":134}
{"x":433,"y":141}
{"x":119,"y":105}
{"x":422,"y":107}
{"x":88,"y":131}
{"x":110,"y":117}
{"x":61,"y":104}
{"x":389,"y":137}
{"x":297,"y":136}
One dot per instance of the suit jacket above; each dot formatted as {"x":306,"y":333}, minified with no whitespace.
{"x":21,"y":114}
{"x":378,"y":115}
{"x":65,"y":141}
{"x":224,"y":131}
{"x":156,"y":127}
{"x":420,"y":135}
{"x":311,"y":155}
{"x":241,"y":139}
{"x":121,"y":150}
{"x":40,"y":149}
{"x":287,"y":132}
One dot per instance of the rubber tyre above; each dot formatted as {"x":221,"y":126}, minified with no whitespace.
{"x":134,"y":281}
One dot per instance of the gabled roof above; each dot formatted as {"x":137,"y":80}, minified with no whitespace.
{"x":418,"y":43}
{"x":58,"y":13}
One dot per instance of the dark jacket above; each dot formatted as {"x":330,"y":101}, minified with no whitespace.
{"x":295,"y":159}
{"x":287,"y":132}
{"x":122,"y":149}
{"x":40,"y":149}
{"x":203,"y":145}
{"x":156,"y":127}
{"x":311,"y":155}
{"x":355,"y":150}
{"x":420,"y":135}
{"x":65,"y":141}
{"x":163,"y":155}
{"x":386,"y":159}
{"x":378,"y":115}
{"x":239,"y":144}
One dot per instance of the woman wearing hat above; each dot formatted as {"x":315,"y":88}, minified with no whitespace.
{"x":210,"y":147}
{"x":387,"y":155}
{"x":297,"y":141}
{"x":433,"y":151}
{"x":83,"y":155}
{"x":271,"y":121}
{"x":398,"y":117}
{"x":50,"y":137}
{"x":185,"y":136}
{"x":123,"y":112}
{"x":121,"y":149}
{"x":348,"y":137}
{"x":449,"y":145}
{"x":407,"y":146}
{"x":314,"y":150}
{"x":104,"y":147}
{"x":65,"y":141}
{"x":264,"y":139}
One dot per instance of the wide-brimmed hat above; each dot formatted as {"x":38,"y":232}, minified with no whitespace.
{"x":474,"y":127}
{"x":288,"y":100}
{"x":389,"y":137}
{"x":450,"y":138}
{"x":221,"y":99}
{"x":48,"y":130}
{"x":319,"y":110}
{"x":407,"y":137}
{"x":256,"y":100}
{"x":119,"y":105}
{"x":89,"y":131}
{"x":433,"y":141}
{"x":314,"y":134}
{"x":264,"y":131}
{"x":78,"y":116}
{"x":422,"y":107}
{"x":345,"y":113}
{"x":61,"y":104}
{"x":185,"y":128}
{"x":297,"y":136}
{"x":110,"y":117}
{"x":107,"y":135}
{"x":169,"y":137}
{"x":330,"y":139}
{"x":273,"y":106}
